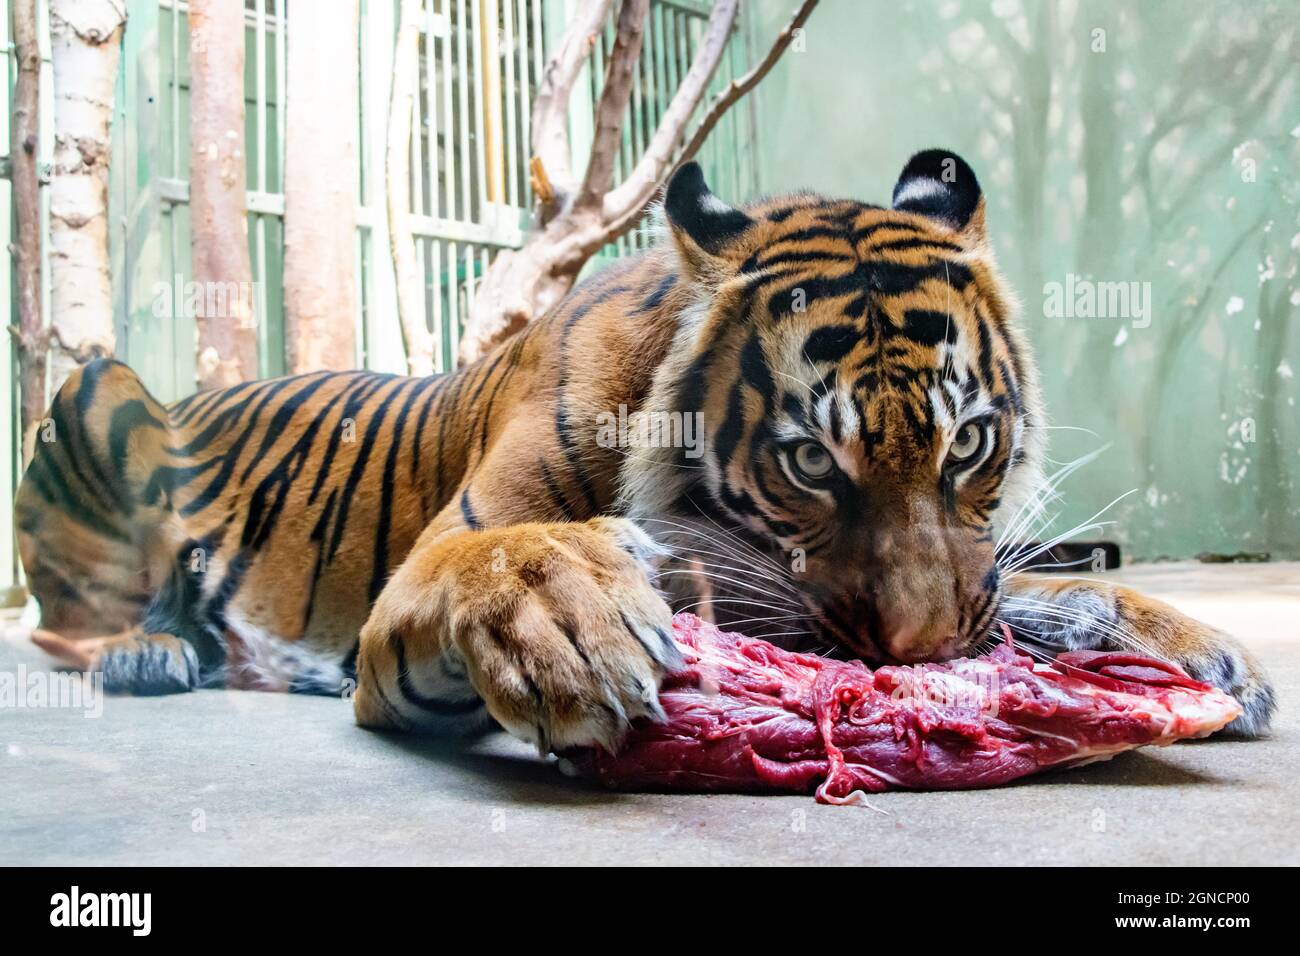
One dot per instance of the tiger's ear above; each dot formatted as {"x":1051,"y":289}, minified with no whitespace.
{"x":703,"y":225}
{"x":940,"y":185}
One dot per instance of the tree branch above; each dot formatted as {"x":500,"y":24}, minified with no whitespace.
{"x":523,"y":284}
{"x":550,"y":117}
{"x":320,"y":172}
{"x":26,"y":250}
{"x":85,"y":46}
{"x":226,"y":338}
{"x":628,"y":199}
{"x":633,"y":203}
{"x":742,"y":85}
{"x":416,"y":336}
{"x":614,"y":96}
{"x":82,"y":352}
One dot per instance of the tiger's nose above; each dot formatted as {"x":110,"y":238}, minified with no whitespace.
{"x":916,"y":632}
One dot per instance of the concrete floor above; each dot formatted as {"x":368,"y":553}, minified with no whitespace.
{"x":224,"y":777}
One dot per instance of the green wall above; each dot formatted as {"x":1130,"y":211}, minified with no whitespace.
{"x":1119,"y":142}
{"x":151,"y":244}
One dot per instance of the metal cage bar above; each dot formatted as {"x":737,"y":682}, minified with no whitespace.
{"x":479,"y":66}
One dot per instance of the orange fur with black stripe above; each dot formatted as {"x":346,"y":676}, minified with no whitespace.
{"x":476,"y":545}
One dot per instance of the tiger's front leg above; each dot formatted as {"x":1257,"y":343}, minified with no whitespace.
{"x":553,"y":629}
{"x":1097,"y":615}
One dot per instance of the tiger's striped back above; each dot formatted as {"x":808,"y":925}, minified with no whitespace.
{"x":261,"y":521}
{"x":258,"y":521}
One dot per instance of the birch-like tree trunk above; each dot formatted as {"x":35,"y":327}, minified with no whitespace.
{"x":30,"y":337}
{"x":410,"y":292}
{"x":575,"y":218}
{"x":85,"y":44}
{"x":226,"y":325}
{"x":320,"y":177}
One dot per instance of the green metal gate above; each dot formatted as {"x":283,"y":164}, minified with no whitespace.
{"x":470,"y":192}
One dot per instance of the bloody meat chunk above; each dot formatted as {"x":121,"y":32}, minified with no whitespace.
{"x":745,"y":716}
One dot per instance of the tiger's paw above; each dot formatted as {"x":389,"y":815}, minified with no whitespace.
{"x":566,"y":641}
{"x":1090,"y":615}
{"x":130,"y":663}
{"x":559,"y":629}
{"x":1226,"y":664}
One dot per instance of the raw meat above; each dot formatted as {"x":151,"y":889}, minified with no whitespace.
{"x":745,"y":716}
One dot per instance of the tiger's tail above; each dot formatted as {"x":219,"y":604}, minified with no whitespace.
{"x":90,"y":507}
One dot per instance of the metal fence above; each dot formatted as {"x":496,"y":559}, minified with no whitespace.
{"x":479,"y":64}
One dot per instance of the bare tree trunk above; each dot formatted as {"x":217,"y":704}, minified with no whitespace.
{"x":29,"y":335}
{"x":578,"y":218}
{"x":227,"y":327}
{"x":320,"y":176}
{"x":85,"y":44}
{"x":551,"y":162}
{"x":410,"y":292}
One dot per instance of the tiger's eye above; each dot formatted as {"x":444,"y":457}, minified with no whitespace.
{"x":812,"y":461}
{"x":968,"y":443}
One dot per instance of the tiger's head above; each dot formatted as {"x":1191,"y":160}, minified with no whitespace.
{"x":867,"y":402}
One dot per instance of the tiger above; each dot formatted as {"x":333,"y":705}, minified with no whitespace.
{"x":471,"y":550}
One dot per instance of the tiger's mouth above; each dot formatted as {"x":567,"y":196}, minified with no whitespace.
{"x":851,"y":627}
{"x":869,"y":645}
{"x":854,"y":625}
{"x":736,"y":580}
{"x":810,"y":619}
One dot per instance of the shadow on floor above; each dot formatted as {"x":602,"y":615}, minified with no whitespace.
{"x":1135,"y":768}
{"x":526,"y":778}
{"x":529,"y":779}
